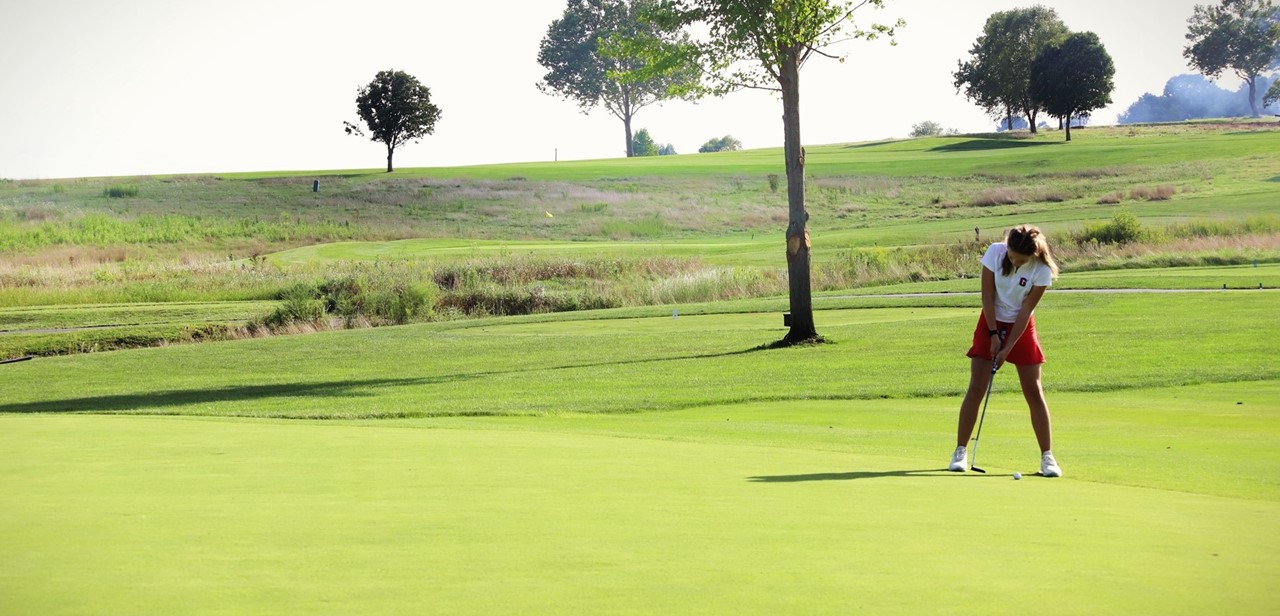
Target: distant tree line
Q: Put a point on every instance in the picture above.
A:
(1190, 97)
(643, 145)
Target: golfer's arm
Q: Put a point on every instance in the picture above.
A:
(989, 298)
(1024, 315)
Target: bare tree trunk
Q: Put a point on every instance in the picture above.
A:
(1253, 94)
(626, 120)
(390, 150)
(626, 124)
(1068, 128)
(802, 326)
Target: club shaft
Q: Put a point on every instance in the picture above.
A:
(982, 417)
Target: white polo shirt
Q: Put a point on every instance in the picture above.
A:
(1012, 289)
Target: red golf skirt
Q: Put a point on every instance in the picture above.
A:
(1026, 351)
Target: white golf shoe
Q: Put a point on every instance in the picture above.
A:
(1048, 466)
(959, 460)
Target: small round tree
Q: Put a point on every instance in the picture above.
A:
(396, 109)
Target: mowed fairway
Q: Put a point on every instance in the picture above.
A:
(592, 464)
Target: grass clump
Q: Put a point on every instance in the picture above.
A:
(366, 296)
(120, 192)
(882, 266)
(1257, 224)
(1124, 228)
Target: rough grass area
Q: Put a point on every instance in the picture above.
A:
(502, 240)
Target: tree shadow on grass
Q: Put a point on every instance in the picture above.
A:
(869, 144)
(142, 401)
(932, 472)
(1275, 179)
(973, 145)
(187, 397)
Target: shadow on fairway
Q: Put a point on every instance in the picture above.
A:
(869, 144)
(988, 144)
(143, 401)
(187, 397)
(932, 472)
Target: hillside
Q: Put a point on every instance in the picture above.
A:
(538, 237)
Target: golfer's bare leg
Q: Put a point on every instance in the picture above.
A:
(1034, 393)
(979, 377)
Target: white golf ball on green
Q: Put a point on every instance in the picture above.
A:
(1017, 475)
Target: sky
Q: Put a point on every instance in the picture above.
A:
(140, 87)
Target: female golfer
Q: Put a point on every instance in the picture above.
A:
(1015, 274)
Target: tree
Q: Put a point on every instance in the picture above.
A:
(1237, 35)
(642, 144)
(997, 77)
(1073, 77)
(1272, 97)
(1188, 97)
(929, 128)
(396, 109)
(581, 70)
(762, 44)
(667, 150)
(724, 144)
(1015, 123)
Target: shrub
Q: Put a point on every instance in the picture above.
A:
(120, 192)
(998, 196)
(774, 180)
(1124, 228)
(724, 144)
(1157, 193)
(929, 128)
(300, 304)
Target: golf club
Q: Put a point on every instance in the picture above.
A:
(977, 436)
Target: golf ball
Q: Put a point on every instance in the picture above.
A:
(1017, 475)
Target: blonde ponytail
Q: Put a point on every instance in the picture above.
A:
(1029, 240)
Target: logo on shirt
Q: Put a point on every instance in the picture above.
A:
(1022, 282)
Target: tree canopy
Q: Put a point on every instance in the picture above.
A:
(643, 145)
(997, 75)
(726, 143)
(396, 109)
(1072, 77)
(1242, 36)
(763, 44)
(929, 128)
(581, 67)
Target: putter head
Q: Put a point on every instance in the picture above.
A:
(977, 470)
